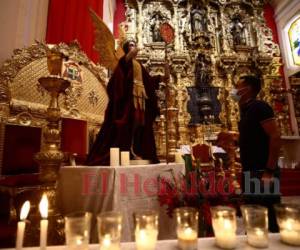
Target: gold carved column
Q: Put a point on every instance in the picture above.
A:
(232, 109)
(182, 97)
(140, 23)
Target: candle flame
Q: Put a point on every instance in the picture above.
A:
(289, 224)
(25, 210)
(43, 206)
(227, 224)
(107, 240)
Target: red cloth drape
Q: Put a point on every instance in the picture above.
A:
(70, 20)
(270, 21)
(119, 16)
(74, 136)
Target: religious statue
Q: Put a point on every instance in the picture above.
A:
(199, 21)
(201, 71)
(155, 28)
(237, 30)
(132, 106)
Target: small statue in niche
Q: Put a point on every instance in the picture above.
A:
(237, 30)
(199, 21)
(155, 28)
(184, 29)
(202, 71)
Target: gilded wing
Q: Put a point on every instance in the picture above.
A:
(122, 38)
(104, 42)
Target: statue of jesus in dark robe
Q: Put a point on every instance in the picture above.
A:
(131, 111)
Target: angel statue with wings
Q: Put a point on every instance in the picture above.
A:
(132, 106)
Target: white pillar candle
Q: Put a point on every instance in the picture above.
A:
(125, 158)
(21, 225)
(43, 206)
(146, 239)
(257, 237)
(225, 233)
(187, 239)
(114, 156)
(178, 157)
(290, 232)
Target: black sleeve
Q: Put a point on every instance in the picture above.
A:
(263, 112)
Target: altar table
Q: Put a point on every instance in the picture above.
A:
(125, 189)
(203, 244)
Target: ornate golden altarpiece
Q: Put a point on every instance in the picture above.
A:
(216, 42)
(23, 101)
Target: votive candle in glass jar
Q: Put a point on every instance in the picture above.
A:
(224, 226)
(187, 227)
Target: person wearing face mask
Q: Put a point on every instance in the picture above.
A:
(259, 146)
(131, 111)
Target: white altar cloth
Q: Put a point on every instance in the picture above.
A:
(203, 243)
(125, 188)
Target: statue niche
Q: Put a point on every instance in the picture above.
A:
(155, 28)
(199, 20)
(237, 30)
(203, 106)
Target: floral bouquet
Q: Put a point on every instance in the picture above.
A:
(196, 188)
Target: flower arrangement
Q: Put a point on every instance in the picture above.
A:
(197, 188)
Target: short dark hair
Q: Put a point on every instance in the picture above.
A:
(126, 45)
(253, 81)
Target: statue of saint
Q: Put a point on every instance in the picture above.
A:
(237, 30)
(202, 72)
(155, 28)
(198, 20)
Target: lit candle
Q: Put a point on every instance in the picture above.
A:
(257, 237)
(290, 232)
(187, 239)
(225, 233)
(146, 239)
(21, 225)
(125, 159)
(106, 243)
(43, 206)
(114, 156)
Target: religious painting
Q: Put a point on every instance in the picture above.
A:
(294, 38)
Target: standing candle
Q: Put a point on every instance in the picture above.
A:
(21, 225)
(43, 206)
(114, 156)
(125, 159)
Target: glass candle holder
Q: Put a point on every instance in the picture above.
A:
(146, 229)
(288, 219)
(77, 229)
(187, 227)
(109, 230)
(224, 226)
(256, 223)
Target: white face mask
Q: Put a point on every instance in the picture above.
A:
(234, 95)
